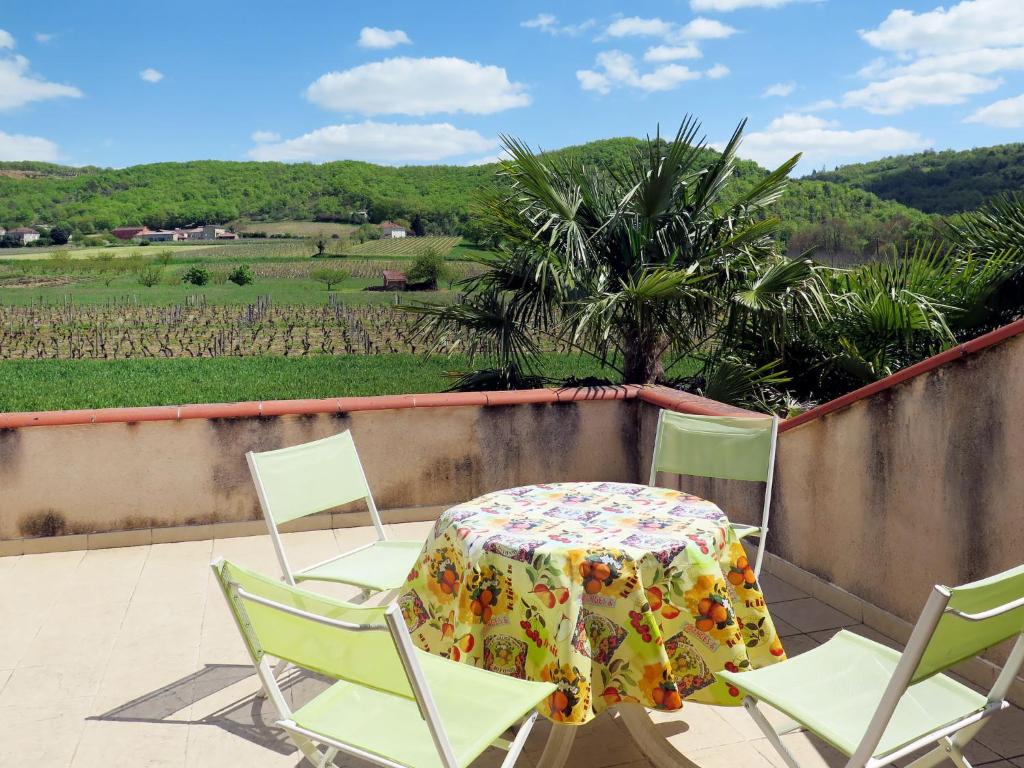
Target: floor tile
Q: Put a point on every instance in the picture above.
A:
(784, 628)
(797, 644)
(1004, 733)
(42, 735)
(775, 590)
(743, 753)
(811, 615)
(107, 744)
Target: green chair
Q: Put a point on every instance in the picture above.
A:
(314, 477)
(876, 705)
(392, 704)
(725, 447)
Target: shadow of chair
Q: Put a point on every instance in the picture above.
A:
(250, 716)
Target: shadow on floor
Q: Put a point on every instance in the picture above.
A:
(251, 717)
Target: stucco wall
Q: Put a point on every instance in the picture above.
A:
(114, 476)
(919, 484)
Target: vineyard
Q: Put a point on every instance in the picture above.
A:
(195, 329)
(404, 247)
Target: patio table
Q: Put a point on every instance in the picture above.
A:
(618, 593)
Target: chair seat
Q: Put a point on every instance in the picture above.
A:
(381, 566)
(742, 530)
(833, 690)
(475, 707)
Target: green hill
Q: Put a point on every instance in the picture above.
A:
(938, 182)
(91, 200)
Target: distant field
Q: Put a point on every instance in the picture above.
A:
(32, 254)
(39, 385)
(403, 247)
(295, 228)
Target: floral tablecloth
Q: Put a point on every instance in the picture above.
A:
(613, 591)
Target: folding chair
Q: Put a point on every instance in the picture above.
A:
(392, 704)
(726, 447)
(876, 705)
(313, 477)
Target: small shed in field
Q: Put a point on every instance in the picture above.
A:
(394, 280)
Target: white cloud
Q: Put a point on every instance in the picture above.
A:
(717, 72)
(548, 23)
(619, 69)
(408, 86)
(672, 52)
(1007, 113)
(18, 147)
(18, 86)
(635, 26)
(980, 61)
(6, 39)
(375, 37)
(697, 29)
(782, 90)
(964, 26)
(262, 137)
(706, 29)
(823, 142)
(43, 37)
(387, 143)
(898, 94)
(151, 75)
(724, 6)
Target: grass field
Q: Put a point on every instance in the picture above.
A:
(37, 385)
(295, 228)
(403, 247)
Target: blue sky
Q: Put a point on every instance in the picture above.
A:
(114, 84)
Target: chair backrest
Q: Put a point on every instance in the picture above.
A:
(359, 655)
(726, 447)
(369, 647)
(308, 478)
(976, 617)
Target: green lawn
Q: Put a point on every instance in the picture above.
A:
(41, 385)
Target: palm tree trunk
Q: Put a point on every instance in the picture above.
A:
(642, 361)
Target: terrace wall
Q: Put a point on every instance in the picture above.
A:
(916, 482)
(190, 468)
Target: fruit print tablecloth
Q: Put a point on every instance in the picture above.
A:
(614, 592)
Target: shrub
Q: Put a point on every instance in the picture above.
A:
(196, 276)
(241, 275)
(149, 275)
(164, 258)
(429, 267)
(329, 277)
(219, 276)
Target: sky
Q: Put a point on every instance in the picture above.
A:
(123, 83)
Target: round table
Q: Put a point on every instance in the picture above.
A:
(618, 593)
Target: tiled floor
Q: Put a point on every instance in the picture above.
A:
(128, 657)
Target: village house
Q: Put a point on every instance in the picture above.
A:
(127, 233)
(22, 235)
(159, 235)
(392, 230)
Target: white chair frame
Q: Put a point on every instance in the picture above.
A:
(307, 740)
(951, 739)
(275, 535)
(761, 531)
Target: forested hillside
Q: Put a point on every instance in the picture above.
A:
(831, 216)
(938, 182)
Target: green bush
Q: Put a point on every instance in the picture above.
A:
(429, 267)
(150, 275)
(196, 276)
(241, 275)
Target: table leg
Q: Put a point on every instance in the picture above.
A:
(559, 745)
(653, 744)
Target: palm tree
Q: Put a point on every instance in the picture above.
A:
(659, 261)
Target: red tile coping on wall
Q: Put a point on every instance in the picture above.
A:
(661, 396)
(911, 371)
